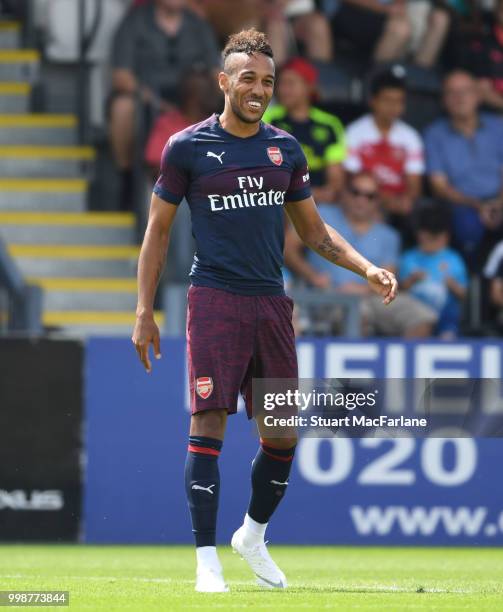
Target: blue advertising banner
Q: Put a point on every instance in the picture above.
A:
(435, 491)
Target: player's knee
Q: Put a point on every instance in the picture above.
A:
(210, 424)
(283, 443)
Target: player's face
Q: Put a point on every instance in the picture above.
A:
(249, 85)
(389, 104)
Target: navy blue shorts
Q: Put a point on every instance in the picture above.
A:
(232, 339)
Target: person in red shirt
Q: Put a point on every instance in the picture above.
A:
(387, 147)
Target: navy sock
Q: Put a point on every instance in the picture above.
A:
(270, 472)
(202, 486)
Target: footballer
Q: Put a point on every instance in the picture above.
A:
(237, 174)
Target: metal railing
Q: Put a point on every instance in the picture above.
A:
(86, 39)
(175, 297)
(20, 303)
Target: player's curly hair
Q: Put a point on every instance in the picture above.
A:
(249, 42)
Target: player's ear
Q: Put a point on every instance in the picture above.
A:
(223, 81)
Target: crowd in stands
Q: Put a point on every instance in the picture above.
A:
(426, 203)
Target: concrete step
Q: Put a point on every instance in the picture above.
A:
(38, 129)
(46, 161)
(10, 34)
(19, 65)
(41, 194)
(96, 228)
(75, 261)
(14, 97)
(88, 294)
(105, 323)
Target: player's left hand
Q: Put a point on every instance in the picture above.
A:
(383, 282)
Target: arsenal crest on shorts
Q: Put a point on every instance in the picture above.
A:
(275, 155)
(204, 386)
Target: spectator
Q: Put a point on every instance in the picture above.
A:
(153, 47)
(434, 273)
(388, 30)
(357, 221)
(320, 134)
(464, 154)
(429, 21)
(387, 147)
(286, 23)
(199, 98)
(484, 58)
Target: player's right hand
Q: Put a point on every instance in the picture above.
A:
(146, 333)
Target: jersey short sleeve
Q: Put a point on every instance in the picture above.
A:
(300, 186)
(352, 161)
(415, 152)
(171, 186)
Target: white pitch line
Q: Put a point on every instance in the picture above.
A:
(360, 588)
(82, 577)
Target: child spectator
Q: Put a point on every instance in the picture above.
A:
(435, 273)
(320, 134)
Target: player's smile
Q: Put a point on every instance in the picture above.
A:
(255, 106)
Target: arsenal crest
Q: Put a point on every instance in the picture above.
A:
(275, 155)
(204, 386)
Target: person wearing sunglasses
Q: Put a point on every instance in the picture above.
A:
(358, 221)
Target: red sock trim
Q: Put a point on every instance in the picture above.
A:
(277, 456)
(203, 450)
(269, 445)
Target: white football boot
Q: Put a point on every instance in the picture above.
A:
(258, 558)
(210, 580)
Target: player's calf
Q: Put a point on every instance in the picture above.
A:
(202, 484)
(270, 472)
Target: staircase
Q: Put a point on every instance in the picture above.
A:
(84, 261)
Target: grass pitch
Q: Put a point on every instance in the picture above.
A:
(157, 578)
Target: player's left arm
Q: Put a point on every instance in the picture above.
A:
(327, 242)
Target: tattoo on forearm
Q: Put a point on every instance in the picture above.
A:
(329, 250)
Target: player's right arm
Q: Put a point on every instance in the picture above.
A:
(168, 193)
(150, 265)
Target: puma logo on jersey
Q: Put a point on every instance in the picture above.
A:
(219, 157)
(276, 482)
(200, 488)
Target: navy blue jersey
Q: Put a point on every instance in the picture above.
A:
(236, 189)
